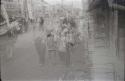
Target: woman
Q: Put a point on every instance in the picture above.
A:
(67, 42)
(40, 44)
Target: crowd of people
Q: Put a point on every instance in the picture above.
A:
(67, 30)
(60, 33)
(61, 38)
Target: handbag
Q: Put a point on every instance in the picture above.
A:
(62, 46)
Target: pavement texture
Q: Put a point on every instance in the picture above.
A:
(22, 57)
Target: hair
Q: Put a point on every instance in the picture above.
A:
(0, 3)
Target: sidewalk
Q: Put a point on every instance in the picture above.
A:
(104, 63)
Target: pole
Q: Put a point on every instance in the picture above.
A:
(5, 15)
(26, 10)
(62, 3)
(32, 8)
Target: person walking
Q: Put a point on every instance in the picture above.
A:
(40, 45)
(68, 33)
(41, 22)
(41, 50)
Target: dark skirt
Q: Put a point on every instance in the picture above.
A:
(41, 50)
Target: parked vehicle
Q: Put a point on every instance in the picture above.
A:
(21, 23)
(3, 26)
(4, 21)
(13, 27)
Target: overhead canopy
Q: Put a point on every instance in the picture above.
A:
(117, 4)
(98, 4)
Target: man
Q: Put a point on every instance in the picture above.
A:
(41, 23)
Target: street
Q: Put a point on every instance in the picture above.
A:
(24, 62)
(63, 40)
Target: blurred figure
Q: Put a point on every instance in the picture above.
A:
(41, 50)
(68, 36)
(41, 21)
(14, 27)
(25, 25)
(40, 44)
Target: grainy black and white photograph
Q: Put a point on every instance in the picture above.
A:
(62, 40)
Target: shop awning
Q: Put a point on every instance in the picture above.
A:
(119, 2)
(116, 4)
(98, 4)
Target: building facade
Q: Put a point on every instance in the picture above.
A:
(106, 23)
(13, 7)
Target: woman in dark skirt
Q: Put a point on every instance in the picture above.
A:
(41, 23)
(41, 49)
(68, 25)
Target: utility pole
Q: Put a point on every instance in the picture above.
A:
(25, 10)
(62, 2)
(72, 6)
(5, 15)
(32, 7)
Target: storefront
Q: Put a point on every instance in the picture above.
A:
(108, 29)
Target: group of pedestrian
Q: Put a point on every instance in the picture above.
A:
(65, 37)
(16, 26)
(68, 35)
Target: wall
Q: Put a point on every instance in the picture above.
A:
(103, 27)
(13, 7)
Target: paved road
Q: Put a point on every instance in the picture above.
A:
(24, 63)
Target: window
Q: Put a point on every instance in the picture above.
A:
(10, 0)
(120, 2)
(1, 18)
